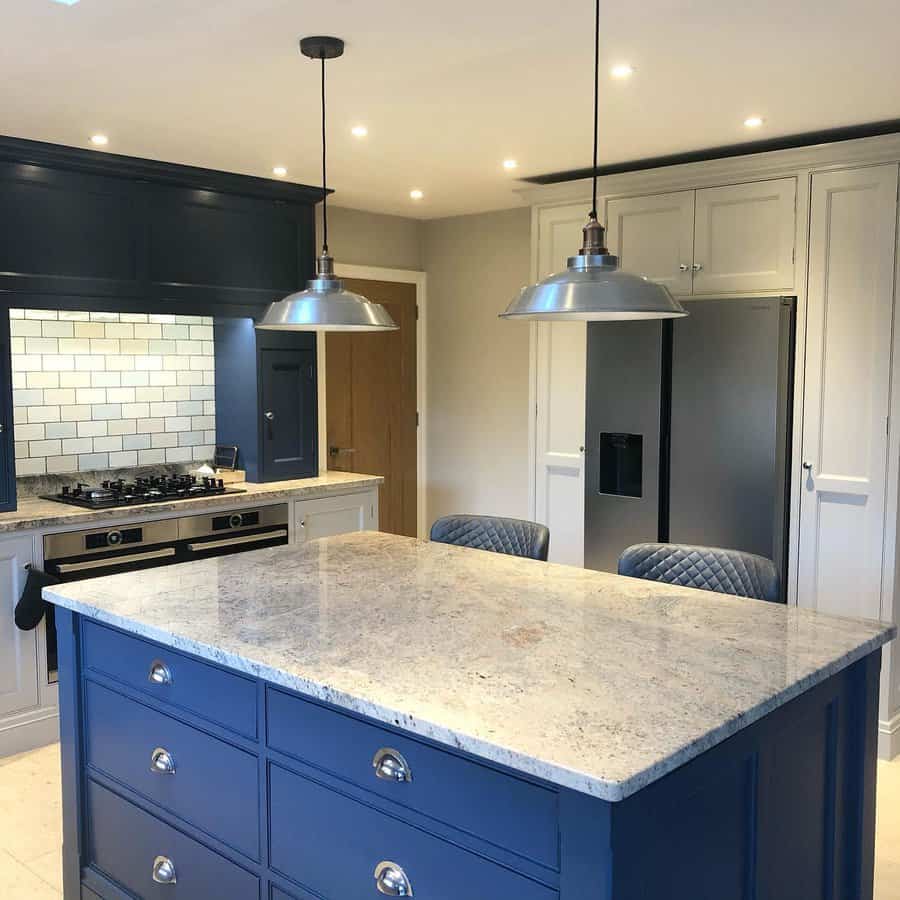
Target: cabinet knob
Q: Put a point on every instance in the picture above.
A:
(807, 466)
(390, 879)
(697, 267)
(270, 416)
(162, 762)
(683, 267)
(164, 870)
(390, 765)
(159, 673)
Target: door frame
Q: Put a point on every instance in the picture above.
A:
(401, 276)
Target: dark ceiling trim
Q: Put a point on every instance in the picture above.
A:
(789, 142)
(39, 153)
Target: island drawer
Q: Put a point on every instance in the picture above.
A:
(143, 854)
(510, 812)
(200, 778)
(223, 697)
(336, 846)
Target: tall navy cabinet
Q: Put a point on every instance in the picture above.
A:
(266, 399)
(81, 229)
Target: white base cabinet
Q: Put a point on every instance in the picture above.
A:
(18, 649)
(326, 516)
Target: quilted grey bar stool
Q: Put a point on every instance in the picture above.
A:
(707, 568)
(515, 537)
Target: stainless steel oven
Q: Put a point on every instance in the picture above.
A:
(76, 555)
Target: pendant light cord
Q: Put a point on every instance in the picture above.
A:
(593, 213)
(324, 183)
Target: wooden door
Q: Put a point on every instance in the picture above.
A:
(18, 649)
(851, 284)
(654, 236)
(370, 392)
(561, 357)
(288, 390)
(744, 238)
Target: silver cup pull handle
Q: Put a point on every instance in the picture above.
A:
(390, 765)
(162, 762)
(391, 880)
(164, 870)
(159, 673)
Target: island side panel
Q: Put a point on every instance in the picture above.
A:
(69, 667)
(783, 809)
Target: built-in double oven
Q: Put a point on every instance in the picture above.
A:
(75, 555)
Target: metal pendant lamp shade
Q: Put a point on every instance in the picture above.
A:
(325, 305)
(593, 288)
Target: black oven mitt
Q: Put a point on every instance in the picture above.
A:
(31, 605)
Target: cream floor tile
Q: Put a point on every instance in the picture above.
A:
(17, 882)
(887, 832)
(49, 868)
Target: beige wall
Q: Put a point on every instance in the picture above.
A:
(360, 238)
(477, 365)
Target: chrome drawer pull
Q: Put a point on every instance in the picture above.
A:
(390, 879)
(162, 762)
(159, 673)
(390, 765)
(164, 870)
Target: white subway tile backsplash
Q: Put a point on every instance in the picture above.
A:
(123, 460)
(121, 426)
(113, 442)
(151, 457)
(60, 429)
(44, 379)
(206, 453)
(93, 390)
(89, 461)
(136, 442)
(92, 429)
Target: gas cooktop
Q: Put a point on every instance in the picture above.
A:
(152, 489)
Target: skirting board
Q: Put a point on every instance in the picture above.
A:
(889, 737)
(30, 735)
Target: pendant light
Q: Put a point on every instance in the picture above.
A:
(593, 288)
(325, 305)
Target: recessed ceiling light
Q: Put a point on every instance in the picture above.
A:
(753, 121)
(66, 2)
(279, 171)
(622, 70)
(416, 194)
(99, 140)
(359, 131)
(510, 164)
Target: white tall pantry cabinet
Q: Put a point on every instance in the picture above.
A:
(818, 223)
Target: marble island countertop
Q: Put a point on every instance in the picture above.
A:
(34, 512)
(590, 681)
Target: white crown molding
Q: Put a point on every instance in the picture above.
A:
(710, 173)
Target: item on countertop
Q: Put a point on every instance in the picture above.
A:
(144, 489)
(225, 456)
(31, 606)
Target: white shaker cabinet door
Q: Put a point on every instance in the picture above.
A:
(561, 359)
(654, 236)
(744, 237)
(18, 649)
(851, 273)
(344, 513)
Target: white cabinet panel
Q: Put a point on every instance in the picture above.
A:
(561, 356)
(851, 273)
(18, 649)
(335, 515)
(744, 237)
(654, 236)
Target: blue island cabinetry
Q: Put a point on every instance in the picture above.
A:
(183, 779)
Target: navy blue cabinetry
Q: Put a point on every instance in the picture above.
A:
(323, 804)
(266, 399)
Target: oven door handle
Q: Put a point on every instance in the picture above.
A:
(234, 541)
(108, 561)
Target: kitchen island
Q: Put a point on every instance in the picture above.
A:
(372, 715)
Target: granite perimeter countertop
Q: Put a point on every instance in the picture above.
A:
(590, 681)
(34, 512)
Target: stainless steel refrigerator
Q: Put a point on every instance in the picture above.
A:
(688, 430)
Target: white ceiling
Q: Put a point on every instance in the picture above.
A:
(447, 89)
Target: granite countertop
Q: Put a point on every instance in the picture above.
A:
(590, 681)
(34, 513)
